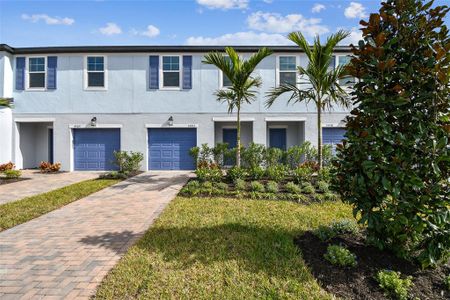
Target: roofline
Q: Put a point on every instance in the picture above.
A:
(147, 49)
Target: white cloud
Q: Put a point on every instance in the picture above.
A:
(353, 38)
(110, 29)
(48, 20)
(273, 22)
(224, 4)
(151, 31)
(240, 38)
(317, 8)
(355, 10)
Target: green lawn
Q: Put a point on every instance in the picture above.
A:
(21, 211)
(216, 248)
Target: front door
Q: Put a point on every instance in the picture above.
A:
(277, 138)
(230, 137)
(50, 145)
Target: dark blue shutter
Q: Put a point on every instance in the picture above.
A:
(187, 72)
(20, 73)
(154, 72)
(51, 72)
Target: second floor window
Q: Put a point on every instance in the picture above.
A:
(347, 80)
(95, 72)
(226, 82)
(171, 71)
(287, 70)
(36, 72)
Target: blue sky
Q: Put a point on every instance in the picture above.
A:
(176, 22)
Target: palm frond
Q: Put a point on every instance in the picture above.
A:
(219, 60)
(296, 94)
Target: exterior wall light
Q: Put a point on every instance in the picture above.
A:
(170, 121)
(94, 121)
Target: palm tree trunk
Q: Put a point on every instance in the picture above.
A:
(319, 133)
(238, 150)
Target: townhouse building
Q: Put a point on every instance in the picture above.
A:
(76, 105)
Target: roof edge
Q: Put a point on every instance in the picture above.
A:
(142, 49)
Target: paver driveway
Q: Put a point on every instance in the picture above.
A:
(66, 253)
(38, 183)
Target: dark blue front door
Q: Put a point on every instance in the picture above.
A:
(229, 136)
(277, 138)
(333, 136)
(50, 145)
(94, 148)
(168, 148)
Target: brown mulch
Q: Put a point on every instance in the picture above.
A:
(359, 282)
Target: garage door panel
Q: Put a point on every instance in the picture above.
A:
(169, 148)
(93, 148)
(333, 136)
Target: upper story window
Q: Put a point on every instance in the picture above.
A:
(287, 70)
(171, 71)
(95, 72)
(347, 80)
(226, 82)
(36, 72)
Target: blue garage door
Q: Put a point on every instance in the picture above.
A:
(168, 148)
(93, 148)
(333, 136)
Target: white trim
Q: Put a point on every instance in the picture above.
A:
(232, 119)
(277, 67)
(278, 126)
(173, 126)
(33, 120)
(27, 73)
(285, 119)
(100, 126)
(105, 72)
(161, 73)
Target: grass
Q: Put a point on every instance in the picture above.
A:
(21, 211)
(218, 248)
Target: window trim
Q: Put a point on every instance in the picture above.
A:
(27, 73)
(336, 63)
(105, 72)
(277, 68)
(221, 86)
(180, 73)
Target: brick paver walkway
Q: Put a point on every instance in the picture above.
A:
(66, 253)
(38, 183)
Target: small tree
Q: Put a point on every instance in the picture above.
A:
(239, 72)
(321, 84)
(394, 167)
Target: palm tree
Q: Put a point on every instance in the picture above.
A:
(241, 90)
(322, 81)
(5, 102)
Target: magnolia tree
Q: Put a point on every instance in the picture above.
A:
(394, 166)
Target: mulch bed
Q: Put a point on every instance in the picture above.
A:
(359, 282)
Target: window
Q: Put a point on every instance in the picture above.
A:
(287, 70)
(171, 71)
(226, 82)
(36, 72)
(95, 72)
(347, 80)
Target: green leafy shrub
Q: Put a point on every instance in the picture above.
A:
(235, 173)
(325, 174)
(322, 187)
(256, 173)
(219, 153)
(113, 175)
(128, 162)
(393, 285)
(340, 256)
(319, 198)
(209, 173)
(221, 187)
(253, 156)
(299, 198)
(194, 152)
(336, 228)
(240, 185)
(192, 188)
(394, 166)
(273, 156)
(307, 188)
(276, 173)
(292, 188)
(272, 187)
(256, 186)
(330, 197)
(207, 187)
(302, 174)
(12, 174)
(447, 282)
